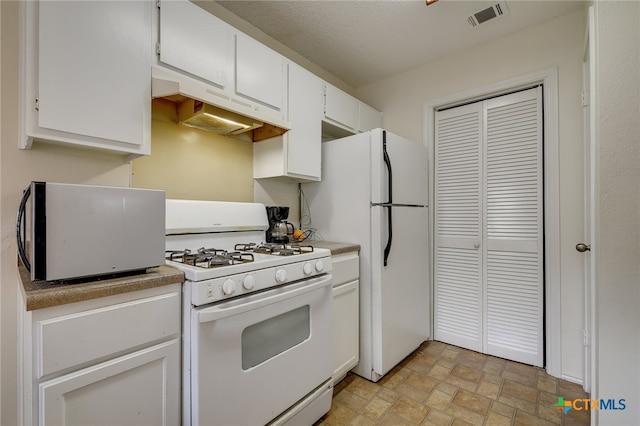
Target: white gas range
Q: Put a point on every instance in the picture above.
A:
(253, 313)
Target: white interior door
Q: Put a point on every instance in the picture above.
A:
(489, 227)
(513, 216)
(458, 228)
(589, 199)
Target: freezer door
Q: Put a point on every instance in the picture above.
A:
(408, 162)
(400, 296)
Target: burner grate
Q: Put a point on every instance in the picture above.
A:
(208, 257)
(278, 249)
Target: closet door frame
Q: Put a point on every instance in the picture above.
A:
(549, 80)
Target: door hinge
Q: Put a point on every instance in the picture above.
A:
(585, 99)
(158, 4)
(37, 103)
(585, 338)
(158, 49)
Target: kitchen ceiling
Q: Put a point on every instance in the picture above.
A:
(363, 41)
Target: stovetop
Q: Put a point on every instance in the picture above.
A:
(218, 245)
(208, 263)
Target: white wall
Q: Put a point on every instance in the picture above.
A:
(618, 241)
(557, 42)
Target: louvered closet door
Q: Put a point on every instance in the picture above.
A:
(489, 230)
(514, 229)
(458, 262)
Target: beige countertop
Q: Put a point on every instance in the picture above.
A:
(45, 294)
(335, 247)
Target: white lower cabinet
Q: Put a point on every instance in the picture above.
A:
(129, 390)
(108, 361)
(345, 313)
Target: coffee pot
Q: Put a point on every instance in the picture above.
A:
(279, 229)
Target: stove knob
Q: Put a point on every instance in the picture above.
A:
(249, 282)
(281, 275)
(229, 286)
(307, 268)
(319, 266)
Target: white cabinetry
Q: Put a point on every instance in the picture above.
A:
(227, 68)
(196, 42)
(113, 360)
(296, 155)
(368, 118)
(260, 73)
(345, 115)
(87, 79)
(345, 313)
(340, 108)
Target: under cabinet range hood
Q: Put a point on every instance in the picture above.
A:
(200, 106)
(203, 116)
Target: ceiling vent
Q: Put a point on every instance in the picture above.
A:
(498, 10)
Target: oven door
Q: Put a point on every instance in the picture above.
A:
(254, 357)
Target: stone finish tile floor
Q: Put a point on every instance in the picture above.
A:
(441, 384)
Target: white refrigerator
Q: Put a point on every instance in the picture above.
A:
(374, 192)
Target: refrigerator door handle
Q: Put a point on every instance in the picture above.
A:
(387, 248)
(387, 162)
(397, 205)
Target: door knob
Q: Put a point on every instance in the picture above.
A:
(582, 247)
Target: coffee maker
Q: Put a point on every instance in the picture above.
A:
(279, 229)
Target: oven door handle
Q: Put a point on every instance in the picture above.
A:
(227, 310)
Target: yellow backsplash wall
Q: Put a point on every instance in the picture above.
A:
(193, 164)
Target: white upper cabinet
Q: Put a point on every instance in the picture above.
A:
(296, 155)
(345, 115)
(194, 41)
(304, 148)
(260, 72)
(340, 108)
(368, 118)
(87, 74)
(226, 67)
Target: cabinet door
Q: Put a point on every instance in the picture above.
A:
(369, 118)
(341, 108)
(345, 328)
(89, 335)
(305, 114)
(193, 40)
(296, 155)
(259, 73)
(142, 388)
(93, 75)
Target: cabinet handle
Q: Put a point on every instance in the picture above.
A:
(582, 247)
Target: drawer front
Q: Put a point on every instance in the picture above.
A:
(346, 268)
(80, 338)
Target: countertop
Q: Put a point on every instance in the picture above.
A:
(45, 294)
(336, 248)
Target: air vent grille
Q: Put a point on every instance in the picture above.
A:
(497, 10)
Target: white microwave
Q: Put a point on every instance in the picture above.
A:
(79, 231)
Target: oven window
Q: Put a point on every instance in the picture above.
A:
(266, 339)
